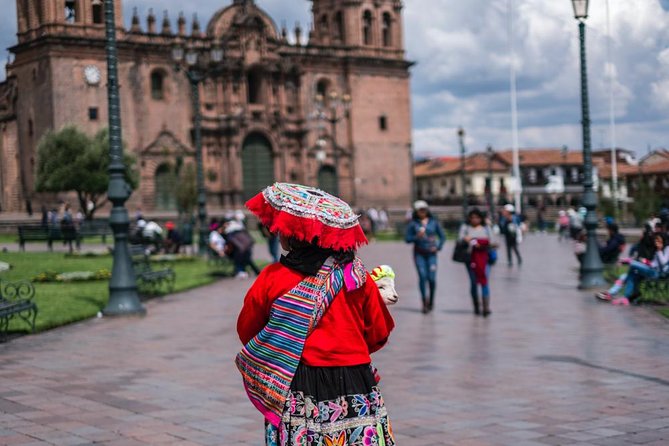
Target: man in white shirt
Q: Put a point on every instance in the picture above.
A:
(216, 241)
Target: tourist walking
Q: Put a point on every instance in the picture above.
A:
(309, 324)
(482, 256)
(427, 237)
(511, 228)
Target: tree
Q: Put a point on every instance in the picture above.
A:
(69, 160)
(646, 201)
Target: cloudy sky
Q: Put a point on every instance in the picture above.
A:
(462, 72)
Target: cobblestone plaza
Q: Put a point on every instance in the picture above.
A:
(550, 367)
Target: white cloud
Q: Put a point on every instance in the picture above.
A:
(462, 76)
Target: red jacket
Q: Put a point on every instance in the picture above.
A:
(356, 324)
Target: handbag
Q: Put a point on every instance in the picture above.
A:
(492, 256)
(461, 252)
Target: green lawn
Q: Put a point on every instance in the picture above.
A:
(664, 312)
(64, 303)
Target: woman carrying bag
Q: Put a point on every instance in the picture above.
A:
(482, 256)
(309, 324)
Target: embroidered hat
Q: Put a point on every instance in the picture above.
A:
(382, 271)
(308, 214)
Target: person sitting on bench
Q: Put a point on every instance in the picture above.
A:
(638, 271)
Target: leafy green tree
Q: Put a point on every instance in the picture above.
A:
(70, 160)
(646, 202)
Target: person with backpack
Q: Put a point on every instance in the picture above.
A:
(427, 237)
(479, 238)
(239, 246)
(510, 227)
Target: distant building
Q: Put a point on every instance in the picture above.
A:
(439, 182)
(257, 125)
(550, 177)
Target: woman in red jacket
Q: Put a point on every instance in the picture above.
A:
(309, 324)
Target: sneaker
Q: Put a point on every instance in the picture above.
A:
(242, 275)
(622, 301)
(604, 295)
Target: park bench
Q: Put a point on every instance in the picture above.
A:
(33, 233)
(16, 301)
(94, 228)
(150, 280)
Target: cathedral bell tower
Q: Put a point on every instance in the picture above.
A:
(37, 18)
(363, 24)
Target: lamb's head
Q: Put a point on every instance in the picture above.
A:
(384, 277)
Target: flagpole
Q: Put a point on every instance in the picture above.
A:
(514, 113)
(612, 116)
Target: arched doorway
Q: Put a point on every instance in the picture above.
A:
(327, 179)
(257, 165)
(165, 182)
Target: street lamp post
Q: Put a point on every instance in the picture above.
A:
(463, 175)
(123, 296)
(329, 112)
(196, 65)
(491, 198)
(592, 267)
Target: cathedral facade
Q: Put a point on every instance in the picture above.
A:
(328, 107)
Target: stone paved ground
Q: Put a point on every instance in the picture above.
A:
(551, 367)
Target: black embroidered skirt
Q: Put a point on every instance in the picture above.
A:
(333, 406)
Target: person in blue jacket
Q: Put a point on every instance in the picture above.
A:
(427, 237)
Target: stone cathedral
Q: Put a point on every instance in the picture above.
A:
(259, 105)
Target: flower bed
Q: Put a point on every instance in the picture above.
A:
(73, 276)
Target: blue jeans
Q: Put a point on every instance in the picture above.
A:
(473, 286)
(637, 272)
(426, 265)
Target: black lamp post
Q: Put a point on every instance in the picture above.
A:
(329, 112)
(463, 174)
(490, 197)
(592, 267)
(198, 64)
(123, 297)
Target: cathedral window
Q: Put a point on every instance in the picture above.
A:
(254, 86)
(97, 12)
(70, 11)
(387, 30)
(324, 25)
(383, 123)
(158, 84)
(339, 22)
(367, 28)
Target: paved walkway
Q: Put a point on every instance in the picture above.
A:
(550, 367)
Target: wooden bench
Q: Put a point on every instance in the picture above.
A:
(48, 234)
(94, 228)
(16, 301)
(149, 280)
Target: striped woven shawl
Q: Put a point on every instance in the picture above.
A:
(269, 361)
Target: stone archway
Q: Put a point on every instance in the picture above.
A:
(257, 165)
